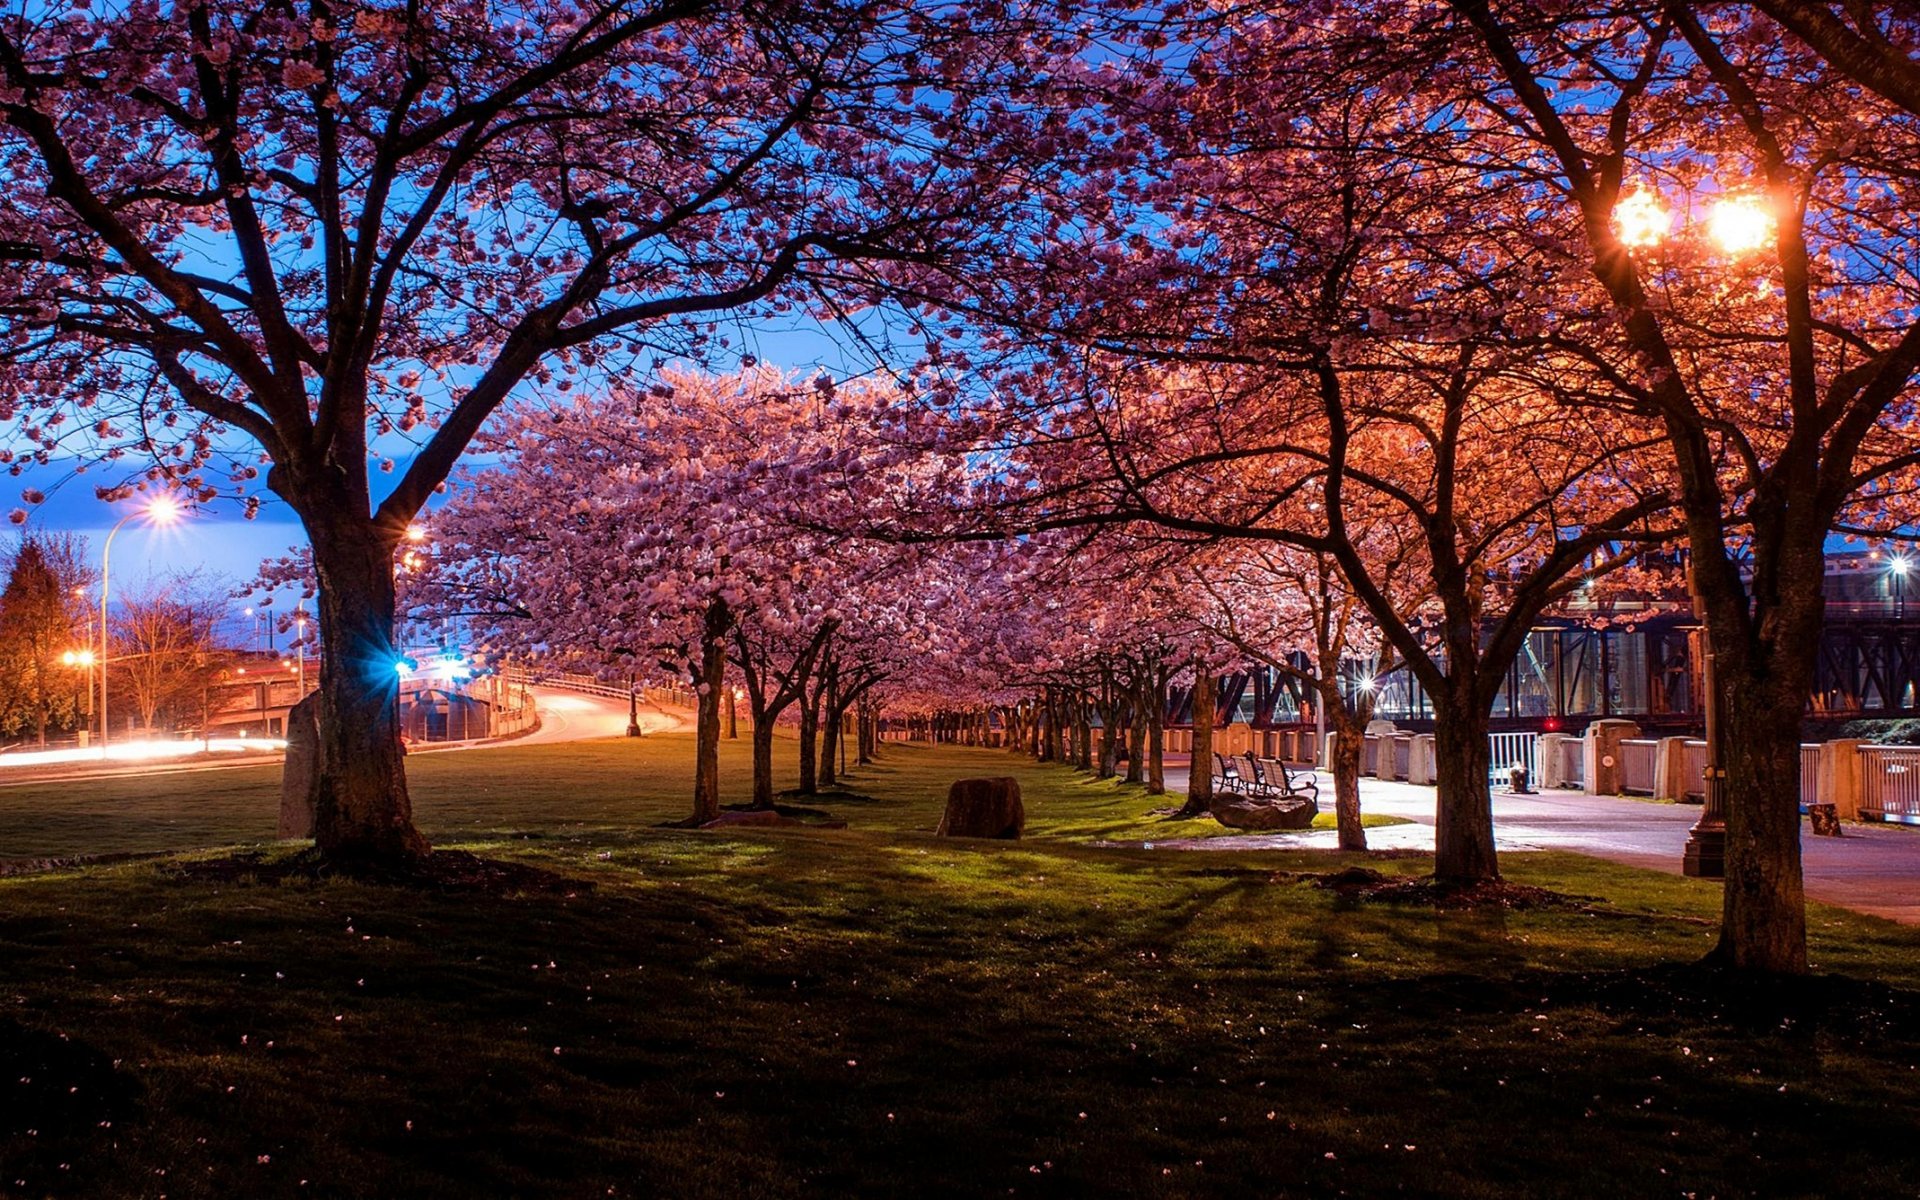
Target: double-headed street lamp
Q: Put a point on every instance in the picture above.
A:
(161, 510)
(1738, 225)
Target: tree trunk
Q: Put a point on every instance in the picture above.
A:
(1200, 774)
(1137, 734)
(361, 807)
(809, 742)
(1345, 766)
(706, 726)
(832, 736)
(1083, 734)
(1463, 807)
(1763, 919)
(1109, 741)
(1157, 735)
(762, 762)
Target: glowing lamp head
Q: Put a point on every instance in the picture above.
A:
(77, 658)
(1367, 683)
(163, 510)
(416, 533)
(1740, 224)
(1639, 220)
(1899, 566)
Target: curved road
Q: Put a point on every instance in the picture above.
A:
(564, 717)
(574, 717)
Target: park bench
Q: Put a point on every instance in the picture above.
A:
(1226, 777)
(1270, 778)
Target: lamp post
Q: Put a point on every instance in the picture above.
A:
(84, 658)
(300, 634)
(161, 510)
(1706, 854)
(1739, 225)
(633, 707)
(1899, 567)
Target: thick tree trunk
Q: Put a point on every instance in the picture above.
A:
(1109, 742)
(1763, 920)
(1083, 734)
(829, 774)
(1345, 766)
(809, 742)
(762, 762)
(706, 726)
(1463, 807)
(1200, 773)
(361, 807)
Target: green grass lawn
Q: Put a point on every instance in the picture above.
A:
(876, 1012)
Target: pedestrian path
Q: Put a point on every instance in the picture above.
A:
(1872, 868)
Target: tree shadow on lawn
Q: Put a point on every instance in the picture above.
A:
(814, 1015)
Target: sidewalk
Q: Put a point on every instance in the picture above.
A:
(1872, 869)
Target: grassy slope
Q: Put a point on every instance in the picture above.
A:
(876, 1012)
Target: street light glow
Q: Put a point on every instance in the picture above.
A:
(416, 533)
(1639, 220)
(1899, 566)
(163, 510)
(1740, 224)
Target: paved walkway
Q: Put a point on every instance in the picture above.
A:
(1872, 869)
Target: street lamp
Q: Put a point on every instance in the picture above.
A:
(161, 510)
(1706, 854)
(1738, 224)
(300, 634)
(1898, 568)
(84, 657)
(633, 707)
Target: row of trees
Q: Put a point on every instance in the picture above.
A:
(1457, 303)
(165, 657)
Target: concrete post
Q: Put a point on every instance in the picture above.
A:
(1551, 758)
(1326, 753)
(1602, 752)
(1842, 779)
(1670, 769)
(1420, 759)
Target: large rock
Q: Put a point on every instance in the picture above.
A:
(300, 777)
(1253, 812)
(983, 808)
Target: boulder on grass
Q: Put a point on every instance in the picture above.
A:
(300, 773)
(983, 808)
(1254, 812)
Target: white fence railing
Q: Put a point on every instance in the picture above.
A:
(1890, 783)
(671, 694)
(1510, 750)
(1639, 759)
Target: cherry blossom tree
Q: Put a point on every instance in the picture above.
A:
(1738, 211)
(320, 239)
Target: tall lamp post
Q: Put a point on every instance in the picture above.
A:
(161, 510)
(1706, 854)
(1738, 225)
